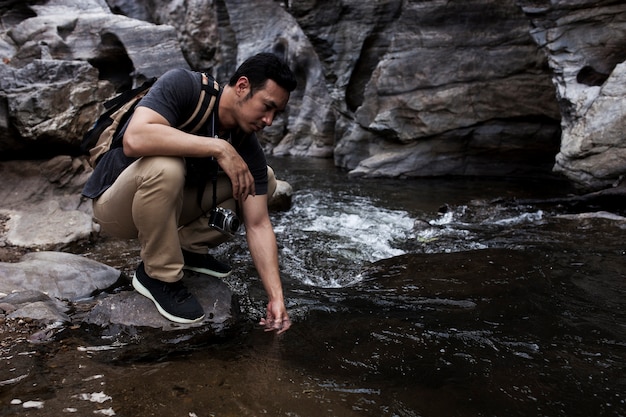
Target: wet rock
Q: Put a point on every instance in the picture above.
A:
(282, 198)
(35, 306)
(41, 311)
(131, 309)
(57, 274)
(48, 288)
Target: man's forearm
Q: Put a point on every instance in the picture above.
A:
(264, 251)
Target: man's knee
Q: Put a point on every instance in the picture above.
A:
(166, 170)
(271, 182)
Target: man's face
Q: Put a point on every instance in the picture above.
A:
(261, 108)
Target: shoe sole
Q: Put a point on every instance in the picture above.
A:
(144, 291)
(207, 271)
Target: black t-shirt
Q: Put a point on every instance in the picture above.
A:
(175, 96)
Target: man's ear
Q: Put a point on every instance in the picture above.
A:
(242, 86)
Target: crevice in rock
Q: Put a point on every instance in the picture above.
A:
(589, 76)
(228, 51)
(14, 12)
(113, 63)
(135, 9)
(374, 47)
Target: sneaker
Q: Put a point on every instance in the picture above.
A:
(206, 264)
(172, 299)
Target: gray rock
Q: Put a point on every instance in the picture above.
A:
(42, 312)
(593, 150)
(47, 286)
(282, 198)
(131, 309)
(35, 305)
(584, 41)
(458, 96)
(41, 203)
(47, 225)
(68, 59)
(57, 274)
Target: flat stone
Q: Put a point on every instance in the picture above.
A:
(47, 225)
(131, 309)
(57, 274)
(45, 312)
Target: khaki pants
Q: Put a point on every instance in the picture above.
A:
(149, 201)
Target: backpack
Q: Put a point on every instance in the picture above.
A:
(105, 132)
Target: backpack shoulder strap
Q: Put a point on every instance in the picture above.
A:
(208, 96)
(115, 108)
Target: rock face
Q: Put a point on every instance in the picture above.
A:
(457, 96)
(586, 44)
(41, 203)
(61, 59)
(386, 87)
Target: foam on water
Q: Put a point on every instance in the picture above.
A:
(341, 233)
(325, 239)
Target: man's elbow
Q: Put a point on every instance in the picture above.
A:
(130, 144)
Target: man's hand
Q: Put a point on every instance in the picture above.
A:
(237, 170)
(276, 318)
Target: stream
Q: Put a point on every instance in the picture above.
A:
(429, 297)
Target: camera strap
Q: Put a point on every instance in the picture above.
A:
(216, 169)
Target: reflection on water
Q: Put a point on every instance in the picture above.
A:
(434, 297)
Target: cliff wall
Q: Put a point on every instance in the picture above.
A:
(397, 88)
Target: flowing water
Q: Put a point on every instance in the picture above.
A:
(432, 297)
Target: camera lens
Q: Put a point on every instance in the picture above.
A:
(234, 223)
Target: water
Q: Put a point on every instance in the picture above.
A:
(434, 297)
(357, 231)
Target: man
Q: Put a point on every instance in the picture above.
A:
(149, 187)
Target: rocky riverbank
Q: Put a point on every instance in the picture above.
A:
(48, 279)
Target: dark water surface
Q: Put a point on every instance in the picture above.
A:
(439, 297)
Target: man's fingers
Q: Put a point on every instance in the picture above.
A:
(278, 324)
(285, 325)
(243, 186)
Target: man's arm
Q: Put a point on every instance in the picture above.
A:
(150, 134)
(264, 251)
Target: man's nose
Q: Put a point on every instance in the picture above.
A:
(268, 118)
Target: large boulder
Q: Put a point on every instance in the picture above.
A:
(585, 42)
(42, 207)
(447, 91)
(61, 60)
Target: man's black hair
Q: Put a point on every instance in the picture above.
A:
(261, 67)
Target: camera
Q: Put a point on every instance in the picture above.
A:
(224, 220)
